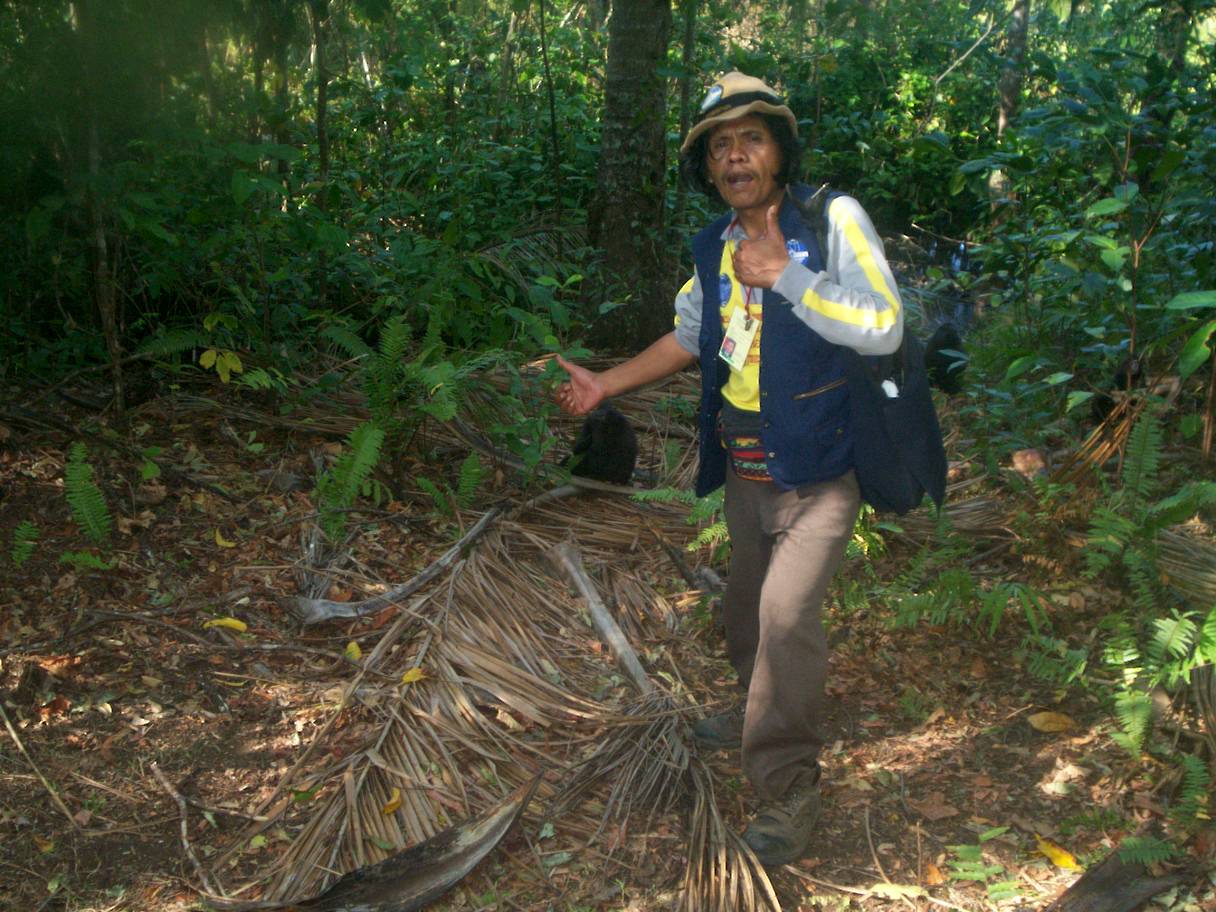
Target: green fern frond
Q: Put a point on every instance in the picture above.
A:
(347, 341)
(25, 538)
(87, 502)
(469, 480)
(443, 503)
(1134, 710)
(174, 342)
(83, 560)
(711, 536)
(338, 488)
(1205, 647)
(1172, 638)
(665, 496)
(1189, 500)
(1191, 801)
(1146, 850)
(1142, 460)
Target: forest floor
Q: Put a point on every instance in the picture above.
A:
(948, 784)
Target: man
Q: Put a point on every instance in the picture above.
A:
(768, 316)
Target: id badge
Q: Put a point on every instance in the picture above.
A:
(737, 340)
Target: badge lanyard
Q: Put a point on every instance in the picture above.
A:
(740, 331)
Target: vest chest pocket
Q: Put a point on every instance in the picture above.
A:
(820, 390)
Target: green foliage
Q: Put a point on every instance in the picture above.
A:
(25, 539)
(1146, 850)
(349, 478)
(1191, 801)
(446, 498)
(84, 560)
(87, 503)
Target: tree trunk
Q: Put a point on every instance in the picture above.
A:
(687, 62)
(1009, 86)
(105, 294)
(506, 76)
(319, 11)
(555, 155)
(626, 219)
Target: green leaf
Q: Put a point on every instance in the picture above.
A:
(1115, 259)
(1191, 300)
(1076, 398)
(1020, 366)
(1205, 646)
(1197, 351)
(1057, 378)
(1170, 160)
(242, 187)
(1109, 206)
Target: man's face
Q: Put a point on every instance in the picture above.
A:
(743, 159)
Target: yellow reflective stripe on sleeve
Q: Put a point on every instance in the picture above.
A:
(687, 289)
(854, 316)
(865, 257)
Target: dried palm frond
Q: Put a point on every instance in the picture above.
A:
(1189, 564)
(546, 249)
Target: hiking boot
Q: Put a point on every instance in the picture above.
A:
(722, 731)
(781, 831)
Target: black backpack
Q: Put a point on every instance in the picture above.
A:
(897, 442)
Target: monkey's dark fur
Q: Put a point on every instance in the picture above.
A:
(606, 448)
(945, 369)
(1128, 375)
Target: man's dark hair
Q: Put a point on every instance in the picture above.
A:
(694, 164)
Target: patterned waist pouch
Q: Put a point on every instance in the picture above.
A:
(739, 432)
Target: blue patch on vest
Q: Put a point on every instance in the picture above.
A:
(723, 290)
(797, 251)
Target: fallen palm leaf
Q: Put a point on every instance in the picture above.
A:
(409, 880)
(721, 871)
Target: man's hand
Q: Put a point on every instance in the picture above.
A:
(582, 392)
(759, 263)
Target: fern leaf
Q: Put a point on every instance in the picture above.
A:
(1145, 850)
(1142, 459)
(347, 341)
(1205, 648)
(1135, 712)
(1172, 638)
(174, 342)
(1191, 801)
(471, 475)
(443, 504)
(84, 497)
(25, 537)
(339, 487)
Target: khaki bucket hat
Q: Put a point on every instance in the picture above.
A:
(733, 96)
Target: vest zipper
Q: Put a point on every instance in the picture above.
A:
(839, 381)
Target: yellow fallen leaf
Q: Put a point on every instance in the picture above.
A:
(221, 541)
(393, 803)
(1059, 856)
(228, 622)
(933, 875)
(1051, 722)
(44, 845)
(414, 674)
(353, 652)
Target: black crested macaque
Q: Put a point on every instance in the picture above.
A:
(1128, 375)
(945, 359)
(606, 448)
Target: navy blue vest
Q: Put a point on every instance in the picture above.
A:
(804, 403)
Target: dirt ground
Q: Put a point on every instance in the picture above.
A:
(946, 785)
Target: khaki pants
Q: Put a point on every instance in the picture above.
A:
(785, 547)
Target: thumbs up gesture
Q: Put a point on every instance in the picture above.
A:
(759, 262)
